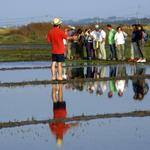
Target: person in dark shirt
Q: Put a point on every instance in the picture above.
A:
(140, 87)
(112, 86)
(140, 43)
(134, 40)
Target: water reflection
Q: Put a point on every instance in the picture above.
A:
(117, 86)
(113, 87)
(140, 86)
(59, 128)
(99, 88)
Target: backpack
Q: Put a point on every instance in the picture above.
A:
(145, 36)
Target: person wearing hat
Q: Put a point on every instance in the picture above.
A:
(71, 32)
(96, 42)
(102, 43)
(59, 128)
(56, 37)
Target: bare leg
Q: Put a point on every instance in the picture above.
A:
(54, 90)
(53, 69)
(60, 71)
(60, 93)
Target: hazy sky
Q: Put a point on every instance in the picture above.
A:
(22, 10)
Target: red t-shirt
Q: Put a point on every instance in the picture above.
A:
(59, 128)
(59, 113)
(55, 38)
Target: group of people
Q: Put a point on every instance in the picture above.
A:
(72, 42)
(94, 42)
(138, 39)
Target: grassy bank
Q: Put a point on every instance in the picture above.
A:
(24, 55)
(44, 55)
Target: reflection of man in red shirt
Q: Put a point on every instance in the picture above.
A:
(59, 128)
(55, 37)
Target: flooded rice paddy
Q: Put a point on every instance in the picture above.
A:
(78, 114)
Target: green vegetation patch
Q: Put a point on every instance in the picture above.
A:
(24, 55)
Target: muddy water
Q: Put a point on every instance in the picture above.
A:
(36, 102)
(31, 71)
(24, 64)
(129, 133)
(55, 101)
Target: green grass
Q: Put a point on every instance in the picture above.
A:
(20, 39)
(44, 55)
(24, 55)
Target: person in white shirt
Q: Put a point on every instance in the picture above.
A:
(120, 38)
(103, 84)
(102, 43)
(96, 42)
(89, 44)
(99, 37)
(121, 84)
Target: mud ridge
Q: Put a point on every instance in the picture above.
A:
(76, 119)
(71, 81)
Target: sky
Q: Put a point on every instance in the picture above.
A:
(22, 11)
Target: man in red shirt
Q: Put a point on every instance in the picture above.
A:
(59, 128)
(55, 37)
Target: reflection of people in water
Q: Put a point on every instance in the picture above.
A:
(120, 84)
(140, 87)
(59, 128)
(101, 85)
(78, 72)
(112, 86)
(89, 72)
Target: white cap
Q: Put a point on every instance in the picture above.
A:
(97, 26)
(56, 21)
(72, 27)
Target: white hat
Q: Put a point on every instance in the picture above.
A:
(56, 21)
(97, 26)
(72, 27)
(59, 142)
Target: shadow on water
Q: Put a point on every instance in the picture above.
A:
(95, 104)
